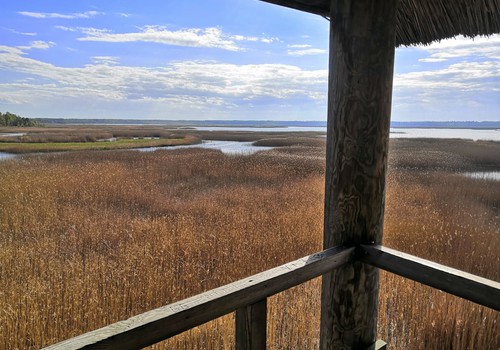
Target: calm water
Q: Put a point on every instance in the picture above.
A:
(12, 134)
(484, 175)
(227, 147)
(234, 147)
(5, 156)
(269, 129)
(467, 134)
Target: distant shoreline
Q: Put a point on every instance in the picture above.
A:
(265, 123)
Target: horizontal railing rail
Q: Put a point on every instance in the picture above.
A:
(465, 285)
(248, 297)
(156, 325)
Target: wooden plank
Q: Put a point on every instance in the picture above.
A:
(251, 326)
(471, 287)
(162, 323)
(362, 36)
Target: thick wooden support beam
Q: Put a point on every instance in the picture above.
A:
(362, 36)
(477, 289)
(251, 326)
(162, 323)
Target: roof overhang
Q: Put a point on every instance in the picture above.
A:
(425, 21)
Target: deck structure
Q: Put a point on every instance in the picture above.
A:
(363, 38)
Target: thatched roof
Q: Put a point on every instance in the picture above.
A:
(425, 21)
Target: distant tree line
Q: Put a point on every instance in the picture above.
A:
(11, 119)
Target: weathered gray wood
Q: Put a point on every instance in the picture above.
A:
(362, 36)
(159, 324)
(477, 289)
(251, 326)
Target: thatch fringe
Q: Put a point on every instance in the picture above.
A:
(425, 21)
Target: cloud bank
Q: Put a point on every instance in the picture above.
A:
(191, 37)
(187, 85)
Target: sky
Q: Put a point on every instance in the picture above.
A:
(214, 59)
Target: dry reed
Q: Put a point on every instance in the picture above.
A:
(89, 238)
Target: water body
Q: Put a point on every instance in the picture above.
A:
(227, 147)
(257, 129)
(466, 134)
(5, 156)
(12, 134)
(484, 175)
(234, 147)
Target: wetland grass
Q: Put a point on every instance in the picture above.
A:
(61, 145)
(90, 238)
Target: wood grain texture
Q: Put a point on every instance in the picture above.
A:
(251, 326)
(159, 324)
(359, 106)
(471, 287)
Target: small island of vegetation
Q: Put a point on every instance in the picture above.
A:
(59, 138)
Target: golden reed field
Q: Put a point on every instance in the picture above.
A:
(90, 238)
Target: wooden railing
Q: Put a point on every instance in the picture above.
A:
(248, 297)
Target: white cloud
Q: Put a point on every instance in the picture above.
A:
(21, 33)
(190, 37)
(264, 40)
(209, 83)
(92, 32)
(51, 15)
(303, 50)
(244, 38)
(269, 40)
(459, 79)
(106, 60)
(9, 51)
(250, 81)
(464, 76)
(432, 60)
(194, 37)
(306, 52)
(66, 29)
(461, 47)
(38, 44)
(463, 70)
(299, 46)
(27, 93)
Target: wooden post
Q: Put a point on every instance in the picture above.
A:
(362, 37)
(251, 326)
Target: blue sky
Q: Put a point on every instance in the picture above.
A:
(213, 59)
